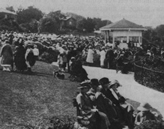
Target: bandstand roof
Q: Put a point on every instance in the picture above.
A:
(123, 25)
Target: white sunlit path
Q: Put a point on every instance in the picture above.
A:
(130, 88)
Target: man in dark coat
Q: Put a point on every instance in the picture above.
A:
(109, 58)
(19, 58)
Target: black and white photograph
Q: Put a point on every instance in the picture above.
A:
(81, 64)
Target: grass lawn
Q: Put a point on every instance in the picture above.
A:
(29, 98)
(25, 98)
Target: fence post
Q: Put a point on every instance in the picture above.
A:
(142, 73)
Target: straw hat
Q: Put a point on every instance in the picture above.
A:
(115, 82)
(85, 84)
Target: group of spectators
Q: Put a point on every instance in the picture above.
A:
(15, 55)
(98, 100)
(100, 106)
(90, 50)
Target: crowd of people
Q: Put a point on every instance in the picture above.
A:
(98, 100)
(16, 55)
(90, 50)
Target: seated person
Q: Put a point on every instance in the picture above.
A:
(102, 103)
(124, 109)
(87, 109)
(77, 71)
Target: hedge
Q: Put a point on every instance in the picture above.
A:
(149, 77)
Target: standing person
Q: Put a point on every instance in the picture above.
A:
(65, 53)
(89, 59)
(7, 57)
(71, 53)
(30, 58)
(19, 57)
(109, 58)
(102, 57)
(36, 52)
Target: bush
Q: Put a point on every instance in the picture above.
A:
(151, 124)
(49, 57)
(62, 122)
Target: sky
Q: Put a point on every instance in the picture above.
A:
(142, 12)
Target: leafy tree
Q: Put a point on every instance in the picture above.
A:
(160, 30)
(26, 15)
(48, 24)
(80, 25)
(89, 25)
(28, 18)
(100, 23)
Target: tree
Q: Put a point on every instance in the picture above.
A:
(26, 15)
(100, 23)
(89, 25)
(48, 24)
(160, 30)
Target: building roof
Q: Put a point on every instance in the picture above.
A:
(123, 25)
(6, 11)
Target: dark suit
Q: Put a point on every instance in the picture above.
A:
(110, 96)
(124, 115)
(105, 105)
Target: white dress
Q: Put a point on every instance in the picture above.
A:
(90, 56)
(102, 57)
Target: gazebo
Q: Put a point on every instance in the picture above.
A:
(124, 31)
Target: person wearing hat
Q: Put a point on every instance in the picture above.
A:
(71, 53)
(36, 52)
(29, 57)
(87, 108)
(102, 56)
(83, 99)
(90, 54)
(19, 57)
(124, 107)
(6, 55)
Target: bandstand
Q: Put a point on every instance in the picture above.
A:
(123, 31)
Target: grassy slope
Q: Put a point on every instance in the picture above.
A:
(26, 97)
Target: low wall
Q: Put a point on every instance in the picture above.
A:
(149, 78)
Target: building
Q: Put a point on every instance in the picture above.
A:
(68, 22)
(123, 31)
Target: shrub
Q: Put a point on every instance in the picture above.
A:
(151, 124)
(49, 57)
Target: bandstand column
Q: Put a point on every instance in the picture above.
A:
(128, 39)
